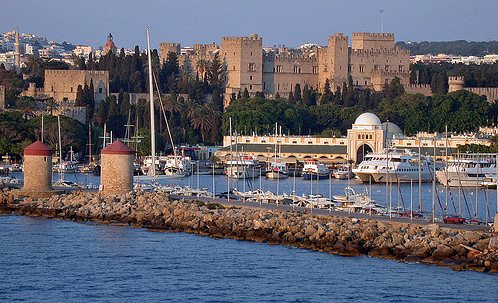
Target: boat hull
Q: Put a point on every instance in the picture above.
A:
(379, 177)
(275, 175)
(314, 176)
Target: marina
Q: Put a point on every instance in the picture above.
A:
(401, 198)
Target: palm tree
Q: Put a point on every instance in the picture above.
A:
(203, 118)
(190, 108)
(25, 106)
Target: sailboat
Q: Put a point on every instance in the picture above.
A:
(152, 173)
(277, 169)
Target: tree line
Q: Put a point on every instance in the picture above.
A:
(334, 112)
(458, 47)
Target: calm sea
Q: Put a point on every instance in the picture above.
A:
(44, 260)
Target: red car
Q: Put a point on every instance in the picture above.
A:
(454, 220)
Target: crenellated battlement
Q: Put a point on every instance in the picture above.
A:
(376, 52)
(373, 35)
(72, 72)
(253, 37)
(289, 58)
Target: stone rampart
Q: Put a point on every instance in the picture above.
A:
(458, 249)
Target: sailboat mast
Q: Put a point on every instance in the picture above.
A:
(151, 97)
(89, 143)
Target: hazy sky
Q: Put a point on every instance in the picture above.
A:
(289, 22)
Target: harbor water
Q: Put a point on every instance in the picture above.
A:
(43, 260)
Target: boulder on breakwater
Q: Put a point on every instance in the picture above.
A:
(458, 249)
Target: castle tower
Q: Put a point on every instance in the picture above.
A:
(372, 41)
(334, 65)
(243, 57)
(17, 53)
(109, 46)
(117, 169)
(37, 168)
(455, 83)
(165, 48)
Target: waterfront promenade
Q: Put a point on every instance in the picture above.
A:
(342, 214)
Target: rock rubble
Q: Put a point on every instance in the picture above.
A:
(458, 249)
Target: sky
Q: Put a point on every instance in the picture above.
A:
(291, 23)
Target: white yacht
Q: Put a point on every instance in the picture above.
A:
(177, 164)
(468, 170)
(243, 167)
(277, 170)
(358, 202)
(315, 169)
(402, 167)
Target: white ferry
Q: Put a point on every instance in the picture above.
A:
(469, 170)
(402, 167)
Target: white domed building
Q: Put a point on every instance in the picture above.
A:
(368, 135)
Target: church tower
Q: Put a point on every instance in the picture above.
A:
(109, 46)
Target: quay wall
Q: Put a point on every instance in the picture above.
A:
(458, 249)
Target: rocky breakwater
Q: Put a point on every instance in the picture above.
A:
(460, 250)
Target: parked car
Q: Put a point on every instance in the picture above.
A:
(224, 195)
(454, 220)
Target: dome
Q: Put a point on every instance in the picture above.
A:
(393, 131)
(109, 44)
(367, 119)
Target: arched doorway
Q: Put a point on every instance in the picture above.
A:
(362, 151)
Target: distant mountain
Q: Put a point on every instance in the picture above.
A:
(458, 47)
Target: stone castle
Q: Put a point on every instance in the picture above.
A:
(63, 85)
(458, 83)
(372, 60)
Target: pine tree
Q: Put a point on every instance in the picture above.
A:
(214, 75)
(297, 93)
(245, 94)
(80, 97)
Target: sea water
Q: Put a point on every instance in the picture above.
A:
(44, 260)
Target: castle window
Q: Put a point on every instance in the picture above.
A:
(278, 86)
(376, 67)
(52, 88)
(234, 67)
(356, 82)
(350, 68)
(359, 136)
(387, 67)
(71, 89)
(366, 82)
(400, 68)
(250, 77)
(251, 53)
(362, 68)
(297, 70)
(315, 69)
(325, 68)
(264, 85)
(100, 90)
(279, 68)
(252, 67)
